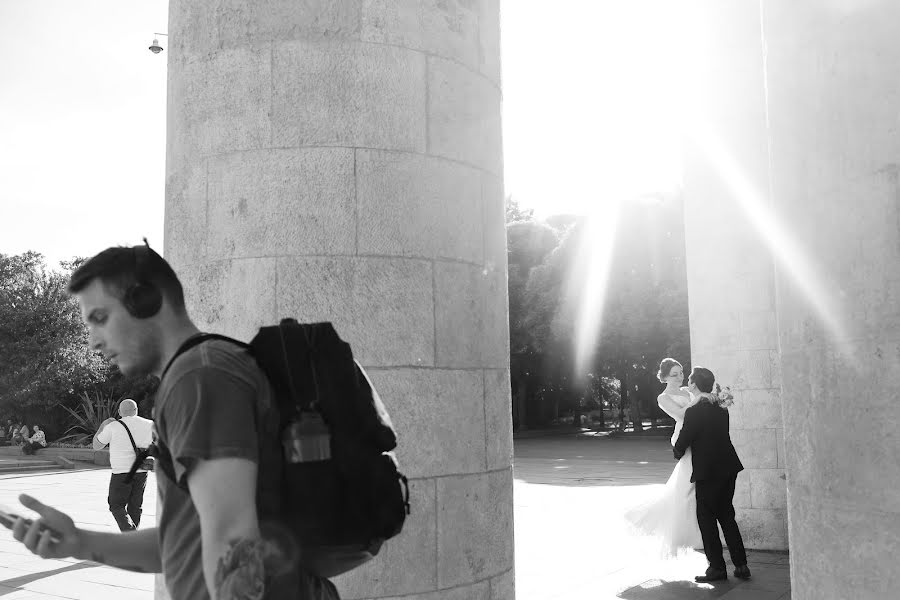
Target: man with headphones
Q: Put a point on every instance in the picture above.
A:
(213, 538)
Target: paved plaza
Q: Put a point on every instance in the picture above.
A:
(571, 540)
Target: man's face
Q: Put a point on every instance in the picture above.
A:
(692, 388)
(130, 343)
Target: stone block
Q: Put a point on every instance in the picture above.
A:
(494, 205)
(420, 206)
(219, 104)
(820, 534)
(755, 447)
(282, 202)
(758, 409)
(463, 116)
(186, 227)
(718, 330)
(475, 527)
(762, 528)
(407, 562)
(475, 591)
(439, 417)
(742, 490)
(348, 94)
(755, 369)
(234, 298)
(383, 307)
(768, 488)
(243, 22)
(758, 330)
(498, 418)
(503, 587)
(471, 317)
(441, 28)
(489, 39)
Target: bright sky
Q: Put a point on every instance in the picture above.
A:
(82, 125)
(590, 104)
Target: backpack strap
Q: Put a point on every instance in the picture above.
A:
(196, 340)
(130, 437)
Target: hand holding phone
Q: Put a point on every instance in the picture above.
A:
(8, 520)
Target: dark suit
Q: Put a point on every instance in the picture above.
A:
(715, 468)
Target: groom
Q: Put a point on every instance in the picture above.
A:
(716, 465)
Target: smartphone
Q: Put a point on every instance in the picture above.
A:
(8, 520)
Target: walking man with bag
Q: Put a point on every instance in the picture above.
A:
(125, 435)
(219, 474)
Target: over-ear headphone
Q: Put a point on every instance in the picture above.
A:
(143, 299)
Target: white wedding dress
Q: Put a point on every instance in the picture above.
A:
(670, 517)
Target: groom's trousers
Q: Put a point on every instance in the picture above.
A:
(714, 504)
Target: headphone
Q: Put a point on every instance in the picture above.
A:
(142, 299)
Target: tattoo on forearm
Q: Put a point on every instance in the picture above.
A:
(241, 572)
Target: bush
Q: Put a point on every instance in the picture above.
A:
(91, 411)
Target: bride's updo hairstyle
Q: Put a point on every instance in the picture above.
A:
(703, 379)
(665, 368)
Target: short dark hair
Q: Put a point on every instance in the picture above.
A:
(703, 378)
(118, 267)
(665, 368)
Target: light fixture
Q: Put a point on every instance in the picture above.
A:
(155, 48)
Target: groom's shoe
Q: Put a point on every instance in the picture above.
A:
(742, 572)
(712, 575)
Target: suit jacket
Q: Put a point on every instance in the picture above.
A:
(705, 432)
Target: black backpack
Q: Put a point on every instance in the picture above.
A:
(343, 495)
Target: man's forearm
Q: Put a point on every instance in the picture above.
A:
(134, 551)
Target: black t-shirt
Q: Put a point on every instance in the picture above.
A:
(215, 402)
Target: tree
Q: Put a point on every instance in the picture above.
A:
(644, 315)
(46, 360)
(528, 243)
(515, 213)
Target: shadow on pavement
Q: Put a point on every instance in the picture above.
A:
(675, 590)
(8, 586)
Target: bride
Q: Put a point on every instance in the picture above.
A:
(671, 516)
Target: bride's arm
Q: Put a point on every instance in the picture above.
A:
(672, 406)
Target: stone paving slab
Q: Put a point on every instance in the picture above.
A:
(82, 493)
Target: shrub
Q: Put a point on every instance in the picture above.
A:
(91, 411)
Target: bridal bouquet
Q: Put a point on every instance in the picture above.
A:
(724, 396)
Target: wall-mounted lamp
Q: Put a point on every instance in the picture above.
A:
(155, 48)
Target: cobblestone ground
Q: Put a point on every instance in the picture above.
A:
(571, 540)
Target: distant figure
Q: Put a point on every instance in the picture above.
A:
(35, 442)
(15, 434)
(125, 499)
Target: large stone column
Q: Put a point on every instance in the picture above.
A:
(342, 161)
(833, 105)
(729, 264)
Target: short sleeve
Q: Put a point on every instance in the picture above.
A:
(208, 414)
(105, 435)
